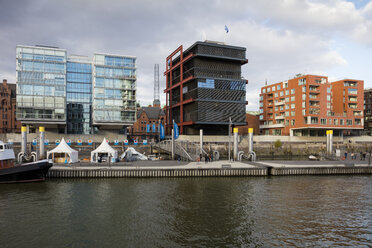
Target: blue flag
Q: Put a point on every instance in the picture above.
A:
(226, 29)
(162, 133)
(153, 128)
(176, 130)
(148, 128)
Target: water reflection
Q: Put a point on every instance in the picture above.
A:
(189, 212)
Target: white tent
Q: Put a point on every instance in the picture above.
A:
(132, 155)
(103, 150)
(63, 152)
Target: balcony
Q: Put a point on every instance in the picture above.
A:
(279, 117)
(271, 126)
(279, 103)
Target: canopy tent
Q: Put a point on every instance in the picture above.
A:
(132, 155)
(102, 151)
(62, 153)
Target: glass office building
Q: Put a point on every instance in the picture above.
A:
(41, 85)
(114, 90)
(75, 95)
(79, 95)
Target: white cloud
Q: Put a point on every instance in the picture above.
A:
(282, 37)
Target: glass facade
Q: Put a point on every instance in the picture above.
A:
(79, 96)
(114, 89)
(75, 93)
(41, 84)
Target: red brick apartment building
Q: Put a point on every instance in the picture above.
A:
(146, 115)
(252, 122)
(8, 122)
(308, 105)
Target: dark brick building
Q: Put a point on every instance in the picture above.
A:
(145, 116)
(368, 111)
(204, 88)
(252, 119)
(8, 122)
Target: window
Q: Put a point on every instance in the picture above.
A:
(268, 89)
(287, 99)
(292, 122)
(352, 91)
(330, 121)
(323, 121)
(278, 87)
(302, 81)
(261, 98)
(329, 90)
(341, 121)
(335, 121)
(328, 97)
(293, 98)
(293, 113)
(276, 108)
(349, 122)
(286, 92)
(303, 96)
(286, 122)
(276, 94)
(292, 106)
(304, 112)
(273, 88)
(314, 120)
(292, 91)
(303, 88)
(303, 104)
(281, 93)
(264, 90)
(287, 106)
(287, 113)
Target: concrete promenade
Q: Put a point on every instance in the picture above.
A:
(213, 169)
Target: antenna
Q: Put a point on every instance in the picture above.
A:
(156, 86)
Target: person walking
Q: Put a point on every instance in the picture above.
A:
(206, 158)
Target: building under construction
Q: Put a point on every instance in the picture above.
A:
(204, 88)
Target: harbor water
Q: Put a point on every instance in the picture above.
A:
(294, 211)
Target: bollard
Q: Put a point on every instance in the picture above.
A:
(250, 140)
(235, 144)
(42, 145)
(24, 139)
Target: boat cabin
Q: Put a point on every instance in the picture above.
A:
(6, 155)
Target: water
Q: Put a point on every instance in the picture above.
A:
(315, 211)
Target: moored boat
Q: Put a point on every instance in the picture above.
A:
(13, 173)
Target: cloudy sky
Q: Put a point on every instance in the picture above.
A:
(282, 37)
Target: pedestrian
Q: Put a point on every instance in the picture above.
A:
(345, 155)
(209, 158)
(212, 157)
(352, 156)
(361, 155)
(206, 158)
(200, 157)
(364, 155)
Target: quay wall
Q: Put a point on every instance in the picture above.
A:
(197, 172)
(140, 173)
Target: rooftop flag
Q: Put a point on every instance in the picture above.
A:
(226, 29)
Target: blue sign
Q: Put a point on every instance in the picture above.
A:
(209, 83)
(116, 142)
(57, 142)
(46, 142)
(148, 128)
(162, 131)
(176, 130)
(79, 142)
(145, 142)
(68, 142)
(153, 128)
(90, 142)
(126, 142)
(135, 142)
(34, 142)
